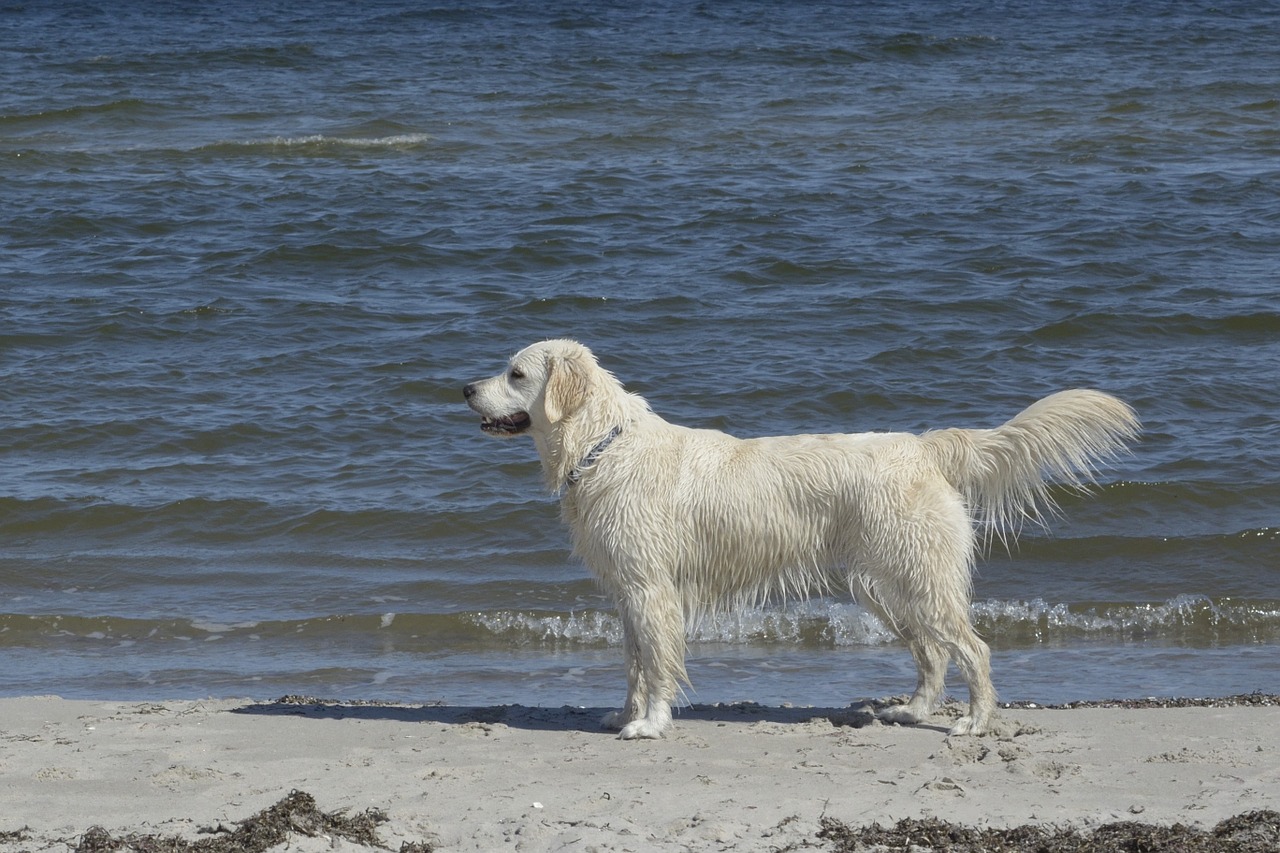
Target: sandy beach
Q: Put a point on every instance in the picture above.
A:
(739, 777)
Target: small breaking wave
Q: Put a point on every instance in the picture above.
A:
(1186, 619)
(320, 143)
(816, 624)
(1194, 620)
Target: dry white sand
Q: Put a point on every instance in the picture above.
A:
(728, 778)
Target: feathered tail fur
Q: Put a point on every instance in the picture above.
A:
(1004, 473)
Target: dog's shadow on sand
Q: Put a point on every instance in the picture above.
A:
(564, 719)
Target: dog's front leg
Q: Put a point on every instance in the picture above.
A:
(635, 706)
(657, 627)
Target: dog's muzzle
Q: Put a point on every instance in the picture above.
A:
(512, 424)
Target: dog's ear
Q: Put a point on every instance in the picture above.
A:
(568, 378)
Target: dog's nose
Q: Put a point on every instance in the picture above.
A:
(468, 391)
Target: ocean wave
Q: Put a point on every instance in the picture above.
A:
(1258, 325)
(214, 520)
(910, 45)
(129, 107)
(51, 631)
(311, 508)
(256, 58)
(320, 143)
(1190, 619)
(816, 623)
(95, 151)
(1195, 620)
(1187, 620)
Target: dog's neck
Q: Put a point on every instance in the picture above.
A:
(575, 443)
(575, 473)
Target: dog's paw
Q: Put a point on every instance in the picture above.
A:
(903, 715)
(642, 728)
(969, 726)
(614, 720)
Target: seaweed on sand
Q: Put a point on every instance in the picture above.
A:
(295, 814)
(1253, 832)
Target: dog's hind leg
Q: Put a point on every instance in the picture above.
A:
(941, 627)
(947, 633)
(932, 655)
(974, 659)
(931, 671)
(931, 662)
(934, 640)
(921, 578)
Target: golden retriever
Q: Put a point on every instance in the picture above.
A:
(678, 522)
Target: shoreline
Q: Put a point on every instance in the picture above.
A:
(728, 777)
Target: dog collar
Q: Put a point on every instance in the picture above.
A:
(590, 459)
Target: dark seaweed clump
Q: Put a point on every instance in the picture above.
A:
(1253, 832)
(295, 814)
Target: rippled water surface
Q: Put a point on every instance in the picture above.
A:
(249, 255)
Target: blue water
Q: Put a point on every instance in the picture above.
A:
(250, 254)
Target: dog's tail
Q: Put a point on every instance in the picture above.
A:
(1004, 473)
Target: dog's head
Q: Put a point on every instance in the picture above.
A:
(543, 384)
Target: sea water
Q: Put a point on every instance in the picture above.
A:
(249, 254)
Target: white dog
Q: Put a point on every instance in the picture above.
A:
(677, 522)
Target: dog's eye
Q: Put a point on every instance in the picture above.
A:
(517, 373)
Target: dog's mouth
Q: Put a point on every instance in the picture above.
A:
(508, 425)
